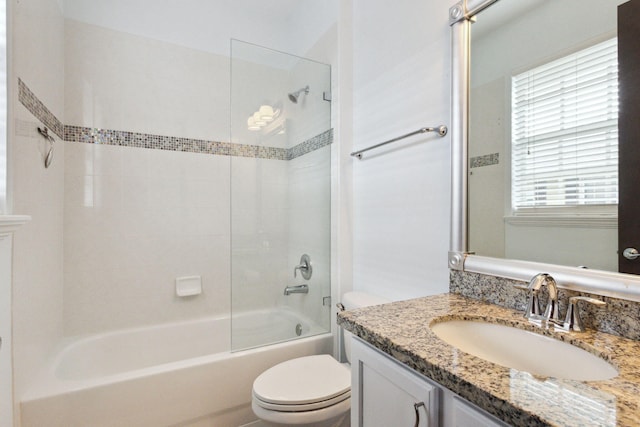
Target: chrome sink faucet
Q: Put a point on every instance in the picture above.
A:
(551, 313)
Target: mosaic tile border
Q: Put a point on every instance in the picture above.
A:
(310, 145)
(171, 143)
(619, 317)
(486, 160)
(38, 109)
(88, 135)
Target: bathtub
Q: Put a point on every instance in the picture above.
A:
(175, 374)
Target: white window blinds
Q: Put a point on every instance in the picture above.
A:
(564, 131)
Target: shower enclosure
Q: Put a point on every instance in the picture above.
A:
(280, 196)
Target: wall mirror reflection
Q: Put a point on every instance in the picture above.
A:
(543, 133)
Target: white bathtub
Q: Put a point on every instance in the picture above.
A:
(175, 374)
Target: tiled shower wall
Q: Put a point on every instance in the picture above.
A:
(135, 219)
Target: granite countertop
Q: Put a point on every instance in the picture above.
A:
(401, 329)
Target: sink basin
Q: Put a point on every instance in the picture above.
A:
(523, 350)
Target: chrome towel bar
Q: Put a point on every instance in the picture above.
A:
(441, 130)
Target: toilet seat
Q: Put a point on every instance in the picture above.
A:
(303, 384)
(303, 407)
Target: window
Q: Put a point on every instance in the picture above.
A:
(564, 131)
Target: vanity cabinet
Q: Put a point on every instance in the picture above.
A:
(386, 393)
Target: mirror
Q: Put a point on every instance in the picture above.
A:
(550, 34)
(506, 42)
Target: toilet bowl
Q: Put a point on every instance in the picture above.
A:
(311, 390)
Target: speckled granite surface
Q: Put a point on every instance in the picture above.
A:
(401, 329)
(619, 317)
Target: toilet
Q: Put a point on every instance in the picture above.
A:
(311, 390)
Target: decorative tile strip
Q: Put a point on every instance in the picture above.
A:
(172, 143)
(38, 109)
(310, 145)
(486, 160)
(161, 142)
(257, 151)
(142, 140)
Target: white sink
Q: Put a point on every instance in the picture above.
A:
(523, 350)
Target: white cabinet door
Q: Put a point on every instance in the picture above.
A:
(384, 393)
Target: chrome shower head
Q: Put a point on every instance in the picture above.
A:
(293, 96)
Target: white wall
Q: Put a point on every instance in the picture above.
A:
(401, 83)
(37, 58)
(116, 80)
(287, 25)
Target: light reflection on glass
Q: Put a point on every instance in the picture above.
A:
(578, 403)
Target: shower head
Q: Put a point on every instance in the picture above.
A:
(293, 96)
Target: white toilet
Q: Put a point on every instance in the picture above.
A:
(312, 390)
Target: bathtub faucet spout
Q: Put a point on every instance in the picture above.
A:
(300, 289)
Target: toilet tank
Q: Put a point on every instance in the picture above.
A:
(351, 300)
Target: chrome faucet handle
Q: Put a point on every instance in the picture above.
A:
(552, 312)
(301, 267)
(572, 321)
(533, 310)
(304, 267)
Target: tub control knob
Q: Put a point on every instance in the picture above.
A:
(304, 267)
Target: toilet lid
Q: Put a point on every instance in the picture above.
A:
(302, 381)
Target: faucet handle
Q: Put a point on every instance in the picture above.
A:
(533, 305)
(304, 267)
(572, 321)
(594, 301)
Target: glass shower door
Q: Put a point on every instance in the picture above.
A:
(280, 196)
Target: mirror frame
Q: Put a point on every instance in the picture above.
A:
(605, 283)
